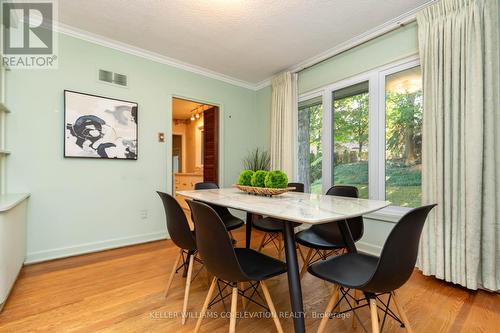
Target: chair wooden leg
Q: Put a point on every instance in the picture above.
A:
(374, 315)
(172, 274)
(306, 264)
(270, 303)
(401, 312)
(243, 299)
(281, 247)
(261, 245)
(333, 300)
(205, 305)
(234, 305)
(186, 291)
(301, 254)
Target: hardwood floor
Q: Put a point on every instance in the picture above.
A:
(122, 291)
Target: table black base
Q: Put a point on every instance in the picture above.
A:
(294, 278)
(248, 227)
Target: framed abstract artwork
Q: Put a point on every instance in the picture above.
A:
(99, 127)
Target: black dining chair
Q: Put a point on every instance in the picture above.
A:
(230, 265)
(376, 276)
(230, 221)
(273, 228)
(182, 236)
(323, 240)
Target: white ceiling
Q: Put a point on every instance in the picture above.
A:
(248, 40)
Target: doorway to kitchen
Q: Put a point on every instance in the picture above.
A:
(195, 145)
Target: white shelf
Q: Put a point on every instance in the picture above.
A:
(9, 201)
(4, 110)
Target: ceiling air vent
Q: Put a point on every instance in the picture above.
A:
(120, 79)
(105, 76)
(114, 78)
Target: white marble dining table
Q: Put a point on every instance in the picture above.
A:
(292, 207)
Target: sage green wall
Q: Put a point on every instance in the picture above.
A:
(385, 49)
(80, 205)
(263, 107)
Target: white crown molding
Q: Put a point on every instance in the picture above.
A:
(263, 83)
(130, 49)
(378, 31)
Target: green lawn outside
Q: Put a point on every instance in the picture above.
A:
(316, 187)
(406, 196)
(402, 182)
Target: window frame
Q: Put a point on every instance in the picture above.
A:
(376, 129)
(302, 98)
(372, 99)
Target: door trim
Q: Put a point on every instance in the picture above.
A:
(221, 166)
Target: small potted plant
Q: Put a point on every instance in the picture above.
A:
(257, 159)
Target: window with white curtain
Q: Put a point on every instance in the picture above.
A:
(365, 131)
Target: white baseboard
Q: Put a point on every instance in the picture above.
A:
(369, 248)
(69, 251)
(63, 252)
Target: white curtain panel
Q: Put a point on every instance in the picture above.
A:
(459, 51)
(284, 104)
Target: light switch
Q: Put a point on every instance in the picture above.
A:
(161, 137)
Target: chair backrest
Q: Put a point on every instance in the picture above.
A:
(177, 224)
(212, 186)
(355, 224)
(343, 191)
(299, 187)
(399, 254)
(214, 244)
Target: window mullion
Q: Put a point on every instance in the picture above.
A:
(373, 135)
(327, 140)
(381, 137)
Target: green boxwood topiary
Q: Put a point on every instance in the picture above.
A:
(246, 178)
(259, 178)
(276, 179)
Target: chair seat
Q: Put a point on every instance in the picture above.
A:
(258, 266)
(232, 222)
(270, 224)
(352, 270)
(317, 240)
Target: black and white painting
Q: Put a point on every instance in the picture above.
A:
(99, 127)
